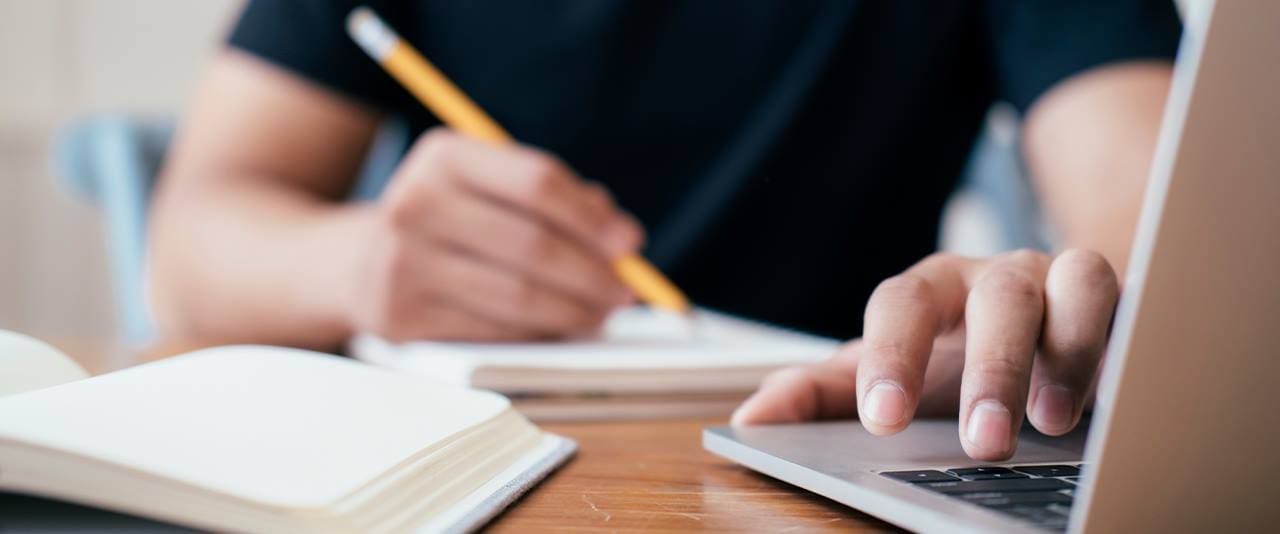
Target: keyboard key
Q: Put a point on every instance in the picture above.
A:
(1049, 470)
(918, 476)
(993, 476)
(996, 499)
(1073, 480)
(975, 471)
(1002, 485)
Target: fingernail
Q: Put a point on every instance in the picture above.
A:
(885, 404)
(989, 426)
(1054, 407)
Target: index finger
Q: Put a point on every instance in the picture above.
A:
(904, 315)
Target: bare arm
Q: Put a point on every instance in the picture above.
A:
(1088, 144)
(248, 234)
(251, 240)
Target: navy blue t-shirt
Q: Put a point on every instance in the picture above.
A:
(784, 156)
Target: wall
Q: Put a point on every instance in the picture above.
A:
(60, 59)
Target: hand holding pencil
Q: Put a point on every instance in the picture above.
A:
(454, 108)
(476, 242)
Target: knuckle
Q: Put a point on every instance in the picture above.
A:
(541, 176)
(399, 209)
(1002, 364)
(435, 137)
(943, 260)
(432, 147)
(904, 288)
(1010, 284)
(1085, 267)
(411, 205)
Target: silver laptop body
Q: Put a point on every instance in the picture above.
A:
(1186, 433)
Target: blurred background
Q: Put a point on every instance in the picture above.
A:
(63, 60)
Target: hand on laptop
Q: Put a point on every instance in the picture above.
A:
(990, 338)
(481, 242)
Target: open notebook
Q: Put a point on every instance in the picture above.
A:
(644, 364)
(263, 439)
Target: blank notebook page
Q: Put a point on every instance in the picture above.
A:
(251, 421)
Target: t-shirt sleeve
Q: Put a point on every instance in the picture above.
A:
(309, 38)
(1038, 43)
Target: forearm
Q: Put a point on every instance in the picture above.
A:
(249, 260)
(1088, 146)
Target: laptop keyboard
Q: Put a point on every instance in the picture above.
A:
(1040, 494)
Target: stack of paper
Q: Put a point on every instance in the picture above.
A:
(644, 364)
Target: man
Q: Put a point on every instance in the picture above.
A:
(785, 158)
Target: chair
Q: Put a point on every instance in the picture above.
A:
(112, 160)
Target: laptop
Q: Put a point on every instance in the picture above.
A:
(1185, 435)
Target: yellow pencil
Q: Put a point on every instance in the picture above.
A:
(454, 108)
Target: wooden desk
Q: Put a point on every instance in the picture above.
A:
(639, 475)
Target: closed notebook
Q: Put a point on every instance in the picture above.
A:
(644, 364)
(262, 439)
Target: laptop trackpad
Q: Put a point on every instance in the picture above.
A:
(845, 447)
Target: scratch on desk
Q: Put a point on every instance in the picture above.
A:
(666, 510)
(686, 515)
(607, 515)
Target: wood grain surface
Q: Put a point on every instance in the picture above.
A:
(654, 475)
(626, 476)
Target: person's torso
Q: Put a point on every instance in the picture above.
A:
(784, 156)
